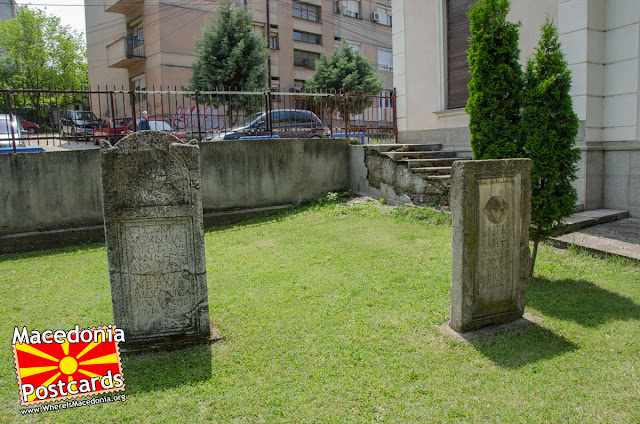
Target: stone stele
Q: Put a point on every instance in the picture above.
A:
(152, 206)
(491, 214)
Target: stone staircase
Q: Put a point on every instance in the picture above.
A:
(418, 172)
(427, 160)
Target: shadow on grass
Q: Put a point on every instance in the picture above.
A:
(156, 371)
(83, 247)
(579, 301)
(526, 345)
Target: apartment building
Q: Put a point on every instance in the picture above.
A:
(8, 9)
(142, 44)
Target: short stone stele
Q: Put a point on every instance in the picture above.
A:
(491, 214)
(155, 242)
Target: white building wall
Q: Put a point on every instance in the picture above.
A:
(601, 39)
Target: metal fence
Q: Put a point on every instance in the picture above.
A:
(56, 117)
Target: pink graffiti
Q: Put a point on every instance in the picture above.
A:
(186, 118)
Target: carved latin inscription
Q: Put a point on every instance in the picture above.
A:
(156, 262)
(498, 249)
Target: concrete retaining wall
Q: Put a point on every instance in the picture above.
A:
(52, 191)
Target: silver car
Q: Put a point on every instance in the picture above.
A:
(7, 127)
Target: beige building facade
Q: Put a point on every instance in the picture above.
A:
(601, 40)
(145, 44)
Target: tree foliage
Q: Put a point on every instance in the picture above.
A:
(37, 52)
(230, 56)
(495, 90)
(549, 129)
(346, 71)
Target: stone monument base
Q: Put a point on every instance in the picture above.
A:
(527, 319)
(171, 342)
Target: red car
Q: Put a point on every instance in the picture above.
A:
(113, 129)
(32, 127)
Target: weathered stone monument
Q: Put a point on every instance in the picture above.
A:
(153, 227)
(491, 214)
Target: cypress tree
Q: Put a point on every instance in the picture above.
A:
(495, 90)
(549, 129)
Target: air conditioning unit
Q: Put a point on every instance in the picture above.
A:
(375, 17)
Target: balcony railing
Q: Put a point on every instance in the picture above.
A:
(135, 47)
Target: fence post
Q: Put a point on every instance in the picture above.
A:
(395, 116)
(113, 108)
(345, 116)
(198, 114)
(13, 136)
(132, 99)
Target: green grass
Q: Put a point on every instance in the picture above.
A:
(329, 314)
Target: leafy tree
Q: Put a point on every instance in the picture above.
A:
(496, 87)
(346, 71)
(230, 56)
(37, 52)
(549, 130)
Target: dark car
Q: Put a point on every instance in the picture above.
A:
(29, 126)
(78, 123)
(286, 123)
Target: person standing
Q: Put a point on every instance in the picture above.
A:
(143, 124)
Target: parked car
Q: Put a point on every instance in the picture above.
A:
(286, 123)
(7, 127)
(161, 125)
(78, 123)
(113, 129)
(31, 127)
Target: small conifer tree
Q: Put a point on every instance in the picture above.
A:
(346, 70)
(549, 129)
(230, 57)
(495, 90)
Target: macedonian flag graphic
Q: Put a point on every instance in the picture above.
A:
(60, 365)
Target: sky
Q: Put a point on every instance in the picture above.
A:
(71, 12)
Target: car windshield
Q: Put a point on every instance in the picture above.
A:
(249, 120)
(4, 125)
(86, 116)
(160, 126)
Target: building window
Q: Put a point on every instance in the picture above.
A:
(298, 85)
(275, 88)
(135, 39)
(306, 11)
(273, 42)
(458, 75)
(356, 46)
(302, 59)
(385, 60)
(381, 14)
(139, 83)
(306, 37)
(258, 30)
(351, 8)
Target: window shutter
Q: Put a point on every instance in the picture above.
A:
(457, 44)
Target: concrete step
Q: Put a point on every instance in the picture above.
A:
(439, 154)
(419, 163)
(581, 220)
(433, 170)
(438, 177)
(404, 147)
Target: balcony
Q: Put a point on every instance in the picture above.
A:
(125, 52)
(121, 6)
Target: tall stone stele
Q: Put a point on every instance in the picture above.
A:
(155, 241)
(491, 214)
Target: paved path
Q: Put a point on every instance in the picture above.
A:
(620, 238)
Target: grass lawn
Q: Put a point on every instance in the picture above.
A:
(329, 314)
